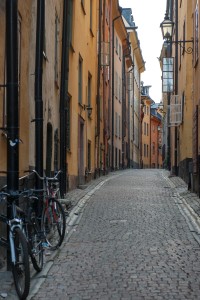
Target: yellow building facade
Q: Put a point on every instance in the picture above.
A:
(82, 90)
(146, 128)
(89, 123)
(180, 103)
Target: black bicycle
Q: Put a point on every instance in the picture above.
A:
(32, 228)
(16, 244)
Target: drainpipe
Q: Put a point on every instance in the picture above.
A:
(98, 88)
(63, 95)
(38, 93)
(12, 95)
(12, 103)
(123, 110)
(113, 86)
(104, 100)
(176, 92)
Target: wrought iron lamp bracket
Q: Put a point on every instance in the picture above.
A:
(188, 50)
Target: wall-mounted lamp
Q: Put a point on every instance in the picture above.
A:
(167, 27)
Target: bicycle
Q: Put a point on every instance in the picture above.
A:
(17, 245)
(32, 229)
(53, 220)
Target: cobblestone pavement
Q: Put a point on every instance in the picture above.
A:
(131, 235)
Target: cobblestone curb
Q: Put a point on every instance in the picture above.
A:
(187, 202)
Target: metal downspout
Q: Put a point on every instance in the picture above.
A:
(104, 101)
(98, 89)
(123, 111)
(176, 92)
(113, 85)
(38, 91)
(63, 96)
(12, 103)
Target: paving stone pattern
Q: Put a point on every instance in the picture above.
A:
(131, 242)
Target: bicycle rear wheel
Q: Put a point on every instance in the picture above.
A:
(36, 244)
(54, 223)
(20, 268)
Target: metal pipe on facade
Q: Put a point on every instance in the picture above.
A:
(176, 93)
(113, 85)
(12, 95)
(98, 87)
(123, 109)
(104, 98)
(38, 91)
(64, 95)
(12, 102)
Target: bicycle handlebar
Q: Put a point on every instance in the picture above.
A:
(45, 177)
(16, 194)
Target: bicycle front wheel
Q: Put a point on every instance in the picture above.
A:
(54, 223)
(20, 268)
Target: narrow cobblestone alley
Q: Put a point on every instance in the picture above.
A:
(131, 242)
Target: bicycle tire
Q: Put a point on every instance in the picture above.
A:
(35, 244)
(54, 223)
(21, 269)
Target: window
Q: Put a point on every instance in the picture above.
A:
(83, 6)
(147, 129)
(119, 88)
(119, 127)
(116, 84)
(116, 158)
(89, 156)
(91, 14)
(80, 78)
(175, 109)
(49, 149)
(89, 89)
(56, 59)
(68, 116)
(144, 150)
(120, 52)
(56, 149)
(44, 45)
(168, 74)
(183, 105)
(153, 148)
(147, 150)
(116, 45)
(184, 38)
(116, 124)
(71, 15)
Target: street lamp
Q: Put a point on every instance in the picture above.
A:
(167, 27)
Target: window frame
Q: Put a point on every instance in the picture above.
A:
(80, 80)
